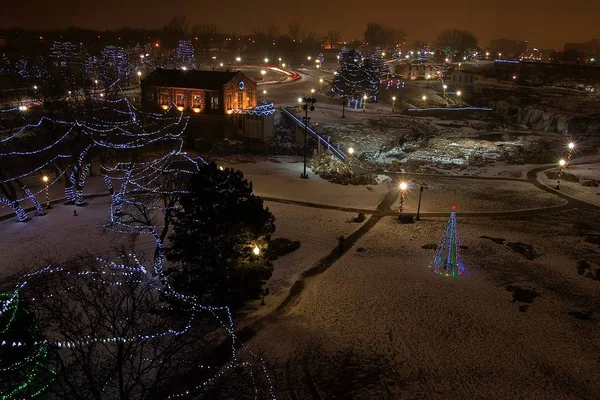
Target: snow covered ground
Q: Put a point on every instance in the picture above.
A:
(282, 180)
(464, 338)
(470, 195)
(589, 194)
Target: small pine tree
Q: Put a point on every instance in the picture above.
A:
(216, 231)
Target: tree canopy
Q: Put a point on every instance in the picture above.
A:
(453, 41)
(386, 37)
(216, 230)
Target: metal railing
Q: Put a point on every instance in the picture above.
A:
(338, 153)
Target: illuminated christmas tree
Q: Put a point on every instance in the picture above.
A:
(447, 260)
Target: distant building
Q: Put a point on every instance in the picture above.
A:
(222, 103)
(507, 49)
(587, 52)
(414, 71)
(461, 78)
(213, 92)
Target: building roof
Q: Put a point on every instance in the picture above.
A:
(192, 79)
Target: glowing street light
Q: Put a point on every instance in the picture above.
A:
(34, 87)
(282, 65)
(561, 166)
(458, 93)
(309, 58)
(47, 190)
(350, 153)
(266, 60)
(428, 77)
(514, 78)
(184, 68)
(139, 73)
(321, 83)
(365, 103)
(256, 250)
(312, 91)
(263, 73)
(265, 96)
(444, 86)
(571, 147)
(299, 99)
(447, 60)
(393, 103)
(22, 108)
(424, 100)
(403, 187)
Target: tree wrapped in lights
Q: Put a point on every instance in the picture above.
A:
(24, 357)
(448, 260)
(350, 77)
(185, 54)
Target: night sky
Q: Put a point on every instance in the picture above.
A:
(546, 24)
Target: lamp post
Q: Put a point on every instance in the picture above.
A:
(424, 100)
(458, 93)
(365, 103)
(393, 103)
(309, 104)
(263, 73)
(444, 86)
(266, 60)
(428, 77)
(403, 187)
(419, 206)
(265, 96)
(561, 166)
(350, 153)
(514, 79)
(279, 59)
(214, 62)
(47, 190)
(570, 153)
(321, 83)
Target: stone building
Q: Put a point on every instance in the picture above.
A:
(414, 71)
(206, 92)
(462, 78)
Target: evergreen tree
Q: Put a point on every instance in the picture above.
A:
(351, 78)
(217, 229)
(185, 54)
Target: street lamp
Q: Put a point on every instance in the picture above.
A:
(263, 73)
(393, 103)
(403, 187)
(419, 206)
(265, 96)
(514, 78)
(221, 65)
(282, 65)
(237, 60)
(312, 91)
(350, 153)
(256, 250)
(428, 77)
(561, 165)
(458, 93)
(266, 60)
(424, 100)
(365, 103)
(309, 104)
(309, 58)
(570, 153)
(444, 86)
(47, 190)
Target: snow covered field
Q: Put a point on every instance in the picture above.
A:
(522, 322)
(465, 338)
(282, 180)
(471, 195)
